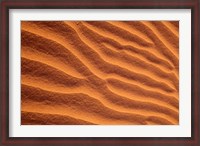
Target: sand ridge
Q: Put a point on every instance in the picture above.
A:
(100, 72)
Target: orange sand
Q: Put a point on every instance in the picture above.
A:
(100, 72)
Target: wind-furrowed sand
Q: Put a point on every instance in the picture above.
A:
(99, 72)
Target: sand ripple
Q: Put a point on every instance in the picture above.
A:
(100, 72)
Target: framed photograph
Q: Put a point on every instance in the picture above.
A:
(100, 72)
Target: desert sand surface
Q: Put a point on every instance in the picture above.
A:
(99, 72)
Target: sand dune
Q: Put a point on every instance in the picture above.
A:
(99, 72)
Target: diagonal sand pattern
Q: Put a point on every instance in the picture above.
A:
(100, 72)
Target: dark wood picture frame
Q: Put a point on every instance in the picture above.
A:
(194, 5)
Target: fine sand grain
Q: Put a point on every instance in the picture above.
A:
(99, 72)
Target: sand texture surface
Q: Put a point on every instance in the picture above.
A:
(99, 72)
